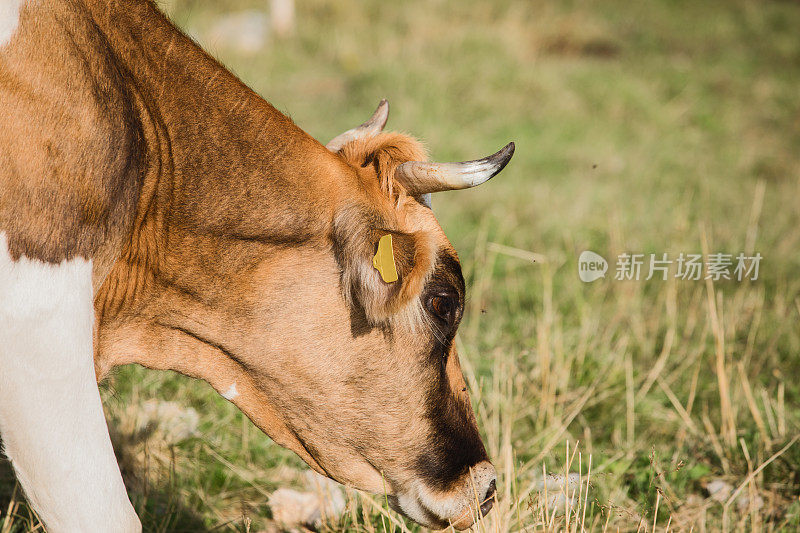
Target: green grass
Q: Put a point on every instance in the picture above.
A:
(668, 126)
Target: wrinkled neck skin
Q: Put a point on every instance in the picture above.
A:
(227, 182)
(220, 161)
(220, 164)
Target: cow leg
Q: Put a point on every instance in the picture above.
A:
(51, 416)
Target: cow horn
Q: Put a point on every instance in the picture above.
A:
(368, 129)
(420, 177)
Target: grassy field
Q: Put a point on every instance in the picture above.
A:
(641, 127)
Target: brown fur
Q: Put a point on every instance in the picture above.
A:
(358, 230)
(229, 245)
(378, 157)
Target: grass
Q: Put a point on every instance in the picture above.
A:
(647, 127)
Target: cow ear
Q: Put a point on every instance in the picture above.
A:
(369, 256)
(384, 153)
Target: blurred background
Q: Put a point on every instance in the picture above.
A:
(649, 127)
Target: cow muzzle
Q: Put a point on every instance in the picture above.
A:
(472, 497)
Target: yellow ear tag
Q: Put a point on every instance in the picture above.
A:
(384, 260)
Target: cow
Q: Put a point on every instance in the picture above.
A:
(155, 210)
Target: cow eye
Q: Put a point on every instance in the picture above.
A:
(442, 306)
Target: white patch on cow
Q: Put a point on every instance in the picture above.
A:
(231, 393)
(411, 507)
(9, 19)
(51, 416)
(418, 500)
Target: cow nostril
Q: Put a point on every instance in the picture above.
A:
(488, 500)
(491, 490)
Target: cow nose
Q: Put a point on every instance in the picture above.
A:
(488, 500)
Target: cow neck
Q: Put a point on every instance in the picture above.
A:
(219, 137)
(223, 165)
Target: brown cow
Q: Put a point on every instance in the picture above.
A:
(154, 210)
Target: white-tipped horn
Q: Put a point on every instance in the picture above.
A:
(421, 178)
(368, 129)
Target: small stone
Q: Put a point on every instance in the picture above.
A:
(323, 503)
(556, 487)
(172, 420)
(719, 490)
(743, 502)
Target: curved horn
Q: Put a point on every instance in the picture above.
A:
(420, 177)
(368, 129)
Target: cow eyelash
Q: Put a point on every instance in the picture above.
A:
(442, 305)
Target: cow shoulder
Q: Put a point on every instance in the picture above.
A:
(70, 139)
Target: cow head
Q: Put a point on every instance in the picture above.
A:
(356, 373)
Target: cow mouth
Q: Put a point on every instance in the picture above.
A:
(415, 508)
(419, 514)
